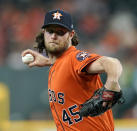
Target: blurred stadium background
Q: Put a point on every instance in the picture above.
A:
(107, 27)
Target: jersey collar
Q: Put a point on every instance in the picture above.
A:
(70, 49)
(65, 53)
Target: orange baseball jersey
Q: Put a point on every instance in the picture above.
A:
(69, 86)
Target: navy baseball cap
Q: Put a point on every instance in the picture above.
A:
(58, 17)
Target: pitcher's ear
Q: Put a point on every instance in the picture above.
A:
(72, 33)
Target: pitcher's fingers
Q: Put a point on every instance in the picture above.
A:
(28, 51)
(32, 64)
(105, 104)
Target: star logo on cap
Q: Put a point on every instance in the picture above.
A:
(57, 15)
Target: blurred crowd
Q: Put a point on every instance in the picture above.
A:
(106, 27)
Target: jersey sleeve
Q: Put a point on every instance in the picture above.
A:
(81, 60)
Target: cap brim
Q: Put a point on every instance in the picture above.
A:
(54, 23)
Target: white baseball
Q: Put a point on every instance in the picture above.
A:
(27, 58)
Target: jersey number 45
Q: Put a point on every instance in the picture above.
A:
(74, 116)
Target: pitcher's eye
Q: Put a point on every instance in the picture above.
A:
(61, 32)
(50, 31)
(57, 32)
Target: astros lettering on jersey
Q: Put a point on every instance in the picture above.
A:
(69, 86)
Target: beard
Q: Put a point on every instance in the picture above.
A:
(56, 49)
